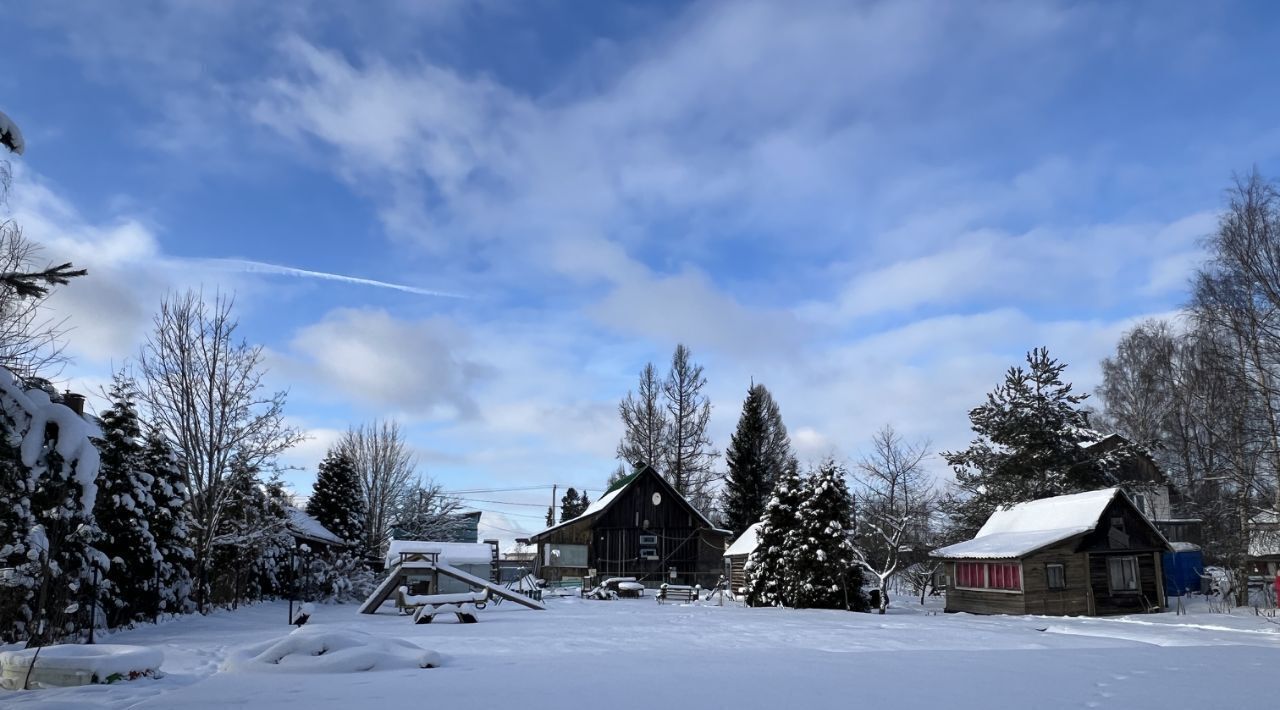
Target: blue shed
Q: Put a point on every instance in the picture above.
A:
(1182, 569)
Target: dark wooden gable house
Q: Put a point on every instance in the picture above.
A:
(1089, 554)
(642, 528)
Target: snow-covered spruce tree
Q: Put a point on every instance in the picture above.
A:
(757, 454)
(769, 570)
(170, 526)
(129, 591)
(1028, 445)
(337, 500)
(252, 547)
(47, 529)
(823, 564)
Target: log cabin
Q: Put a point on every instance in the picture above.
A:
(738, 554)
(1086, 554)
(642, 528)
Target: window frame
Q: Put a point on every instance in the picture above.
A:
(987, 577)
(1137, 574)
(1048, 577)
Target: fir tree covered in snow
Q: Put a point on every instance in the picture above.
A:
(337, 501)
(170, 525)
(1029, 444)
(769, 570)
(47, 531)
(252, 549)
(822, 567)
(125, 508)
(758, 453)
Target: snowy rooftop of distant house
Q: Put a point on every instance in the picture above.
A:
(1026, 527)
(746, 542)
(307, 527)
(454, 553)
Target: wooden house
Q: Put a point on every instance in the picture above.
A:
(1147, 487)
(1089, 554)
(737, 555)
(642, 528)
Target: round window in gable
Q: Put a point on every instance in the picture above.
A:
(657, 498)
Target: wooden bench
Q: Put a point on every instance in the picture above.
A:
(679, 592)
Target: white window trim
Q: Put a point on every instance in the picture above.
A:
(986, 577)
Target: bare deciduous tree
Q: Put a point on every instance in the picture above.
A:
(386, 467)
(203, 388)
(644, 422)
(688, 447)
(425, 512)
(895, 503)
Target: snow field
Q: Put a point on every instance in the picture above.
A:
(637, 654)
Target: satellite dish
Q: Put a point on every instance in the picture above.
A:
(657, 498)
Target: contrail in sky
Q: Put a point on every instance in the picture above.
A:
(258, 267)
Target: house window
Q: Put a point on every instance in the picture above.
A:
(1055, 576)
(989, 575)
(558, 555)
(1122, 574)
(1140, 501)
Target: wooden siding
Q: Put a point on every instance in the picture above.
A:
(684, 540)
(1073, 598)
(1148, 595)
(976, 601)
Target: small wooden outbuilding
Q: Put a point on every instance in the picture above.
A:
(1087, 554)
(738, 554)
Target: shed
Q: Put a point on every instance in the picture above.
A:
(641, 527)
(306, 530)
(738, 554)
(1089, 554)
(1183, 569)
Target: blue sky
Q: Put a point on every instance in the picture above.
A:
(873, 208)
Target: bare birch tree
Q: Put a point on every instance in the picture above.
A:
(387, 468)
(203, 389)
(425, 512)
(894, 503)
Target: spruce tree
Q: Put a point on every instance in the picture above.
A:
(823, 569)
(170, 526)
(129, 592)
(569, 504)
(337, 500)
(769, 572)
(758, 452)
(1029, 444)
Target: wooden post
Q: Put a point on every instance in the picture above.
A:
(1159, 567)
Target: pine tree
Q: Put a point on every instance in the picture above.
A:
(1029, 444)
(125, 508)
(769, 572)
(170, 526)
(823, 567)
(758, 453)
(573, 504)
(337, 500)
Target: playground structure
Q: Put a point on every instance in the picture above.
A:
(464, 606)
(419, 573)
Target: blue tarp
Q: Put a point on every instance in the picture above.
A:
(1182, 572)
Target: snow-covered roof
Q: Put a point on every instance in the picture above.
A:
(1020, 529)
(504, 529)
(454, 553)
(746, 542)
(307, 527)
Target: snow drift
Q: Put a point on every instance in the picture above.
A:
(75, 664)
(313, 649)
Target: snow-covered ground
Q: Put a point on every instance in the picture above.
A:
(636, 654)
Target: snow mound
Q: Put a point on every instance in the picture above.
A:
(74, 664)
(316, 649)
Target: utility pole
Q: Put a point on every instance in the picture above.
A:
(551, 512)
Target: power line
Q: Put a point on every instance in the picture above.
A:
(502, 502)
(497, 490)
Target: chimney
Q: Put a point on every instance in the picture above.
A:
(75, 401)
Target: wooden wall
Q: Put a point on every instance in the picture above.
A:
(1073, 599)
